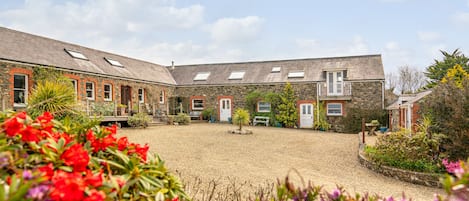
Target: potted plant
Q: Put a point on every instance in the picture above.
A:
(208, 113)
(121, 109)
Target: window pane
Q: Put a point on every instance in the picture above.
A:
(89, 86)
(19, 96)
(20, 81)
(309, 109)
(331, 82)
(107, 88)
(89, 94)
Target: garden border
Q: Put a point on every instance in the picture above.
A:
(425, 179)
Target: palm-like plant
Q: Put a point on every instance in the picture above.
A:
(241, 117)
(56, 97)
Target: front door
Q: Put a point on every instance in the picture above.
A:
(306, 115)
(225, 109)
(126, 94)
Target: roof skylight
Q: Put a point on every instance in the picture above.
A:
(275, 69)
(236, 75)
(296, 74)
(201, 76)
(76, 54)
(113, 62)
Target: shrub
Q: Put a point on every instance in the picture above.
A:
(241, 117)
(182, 119)
(287, 113)
(39, 161)
(207, 113)
(139, 120)
(55, 97)
(353, 120)
(321, 123)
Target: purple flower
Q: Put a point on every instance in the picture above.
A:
(335, 194)
(38, 192)
(3, 161)
(27, 174)
(390, 198)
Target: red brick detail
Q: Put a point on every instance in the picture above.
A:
(415, 116)
(77, 78)
(219, 106)
(344, 113)
(113, 89)
(22, 71)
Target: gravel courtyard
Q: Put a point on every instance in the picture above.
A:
(209, 152)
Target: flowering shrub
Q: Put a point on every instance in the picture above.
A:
(456, 185)
(39, 161)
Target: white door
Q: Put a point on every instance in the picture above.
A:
(306, 115)
(225, 109)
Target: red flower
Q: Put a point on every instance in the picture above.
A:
(45, 120)
(122, 143)
(94, 180)
(76, 157)
(12, 126)
(142, 151)
(30, 134)
(67, 186)
(90, 136)
(48, 170)
(95, 195)
(112, 129)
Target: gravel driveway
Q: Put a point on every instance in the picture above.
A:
(329, 159)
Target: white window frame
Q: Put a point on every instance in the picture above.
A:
(141, 95)
(335, 83)
(296, 74)
(113, 62)
(75, 54)
(75, 86)
(263, 110)
(93, 89)
(194, 107)
(237, 75)
(25, 91)
(329, 113)
(162, 94)
(110, 92)
(201, 76)
(276, 69)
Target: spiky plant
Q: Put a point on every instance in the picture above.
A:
(56, 97)
(241, 117)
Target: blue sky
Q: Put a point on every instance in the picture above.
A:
(404, 32)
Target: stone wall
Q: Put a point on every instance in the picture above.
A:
(425, 179)
(152, 91)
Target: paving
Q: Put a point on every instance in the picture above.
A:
(208, 152)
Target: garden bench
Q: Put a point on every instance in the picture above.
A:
(260, 119)
(195, 115)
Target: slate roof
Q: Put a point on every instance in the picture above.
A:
(32, 49)
(365, 67)
(408, 99)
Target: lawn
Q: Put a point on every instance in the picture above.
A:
(207, 152)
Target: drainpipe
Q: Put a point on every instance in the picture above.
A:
(172, 65)
(382, 93)
(317, 101)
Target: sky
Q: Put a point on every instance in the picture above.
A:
(405, 32)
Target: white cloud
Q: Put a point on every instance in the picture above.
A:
(236, 30)
(428, 36)
(461, 18)
(308, 47)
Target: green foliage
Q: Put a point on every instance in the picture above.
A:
(241, 117)
(353, 121)
(321, 123)
(140, 120)
(439, 69)
(448, 104)
(41, 74)
(208, 112)
(271, 97)
(103, 109)
(182, 119)
(287, 113)
(56, 97)
(416, 152)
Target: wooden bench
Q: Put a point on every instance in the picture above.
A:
(195, 115)
(260, 119)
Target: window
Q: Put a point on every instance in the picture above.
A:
(90, 90)
(334, 109)
(20, 90)
(76, 54)
(197, 104)
(162, 96)
(335, 83)
(263, 107)
(275, 69)
(236, 75)
(296, 74)
(75, 86)
(107, 92)
(113, 62)
(141, 95)
(201, 76)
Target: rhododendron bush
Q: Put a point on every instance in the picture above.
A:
(40, 161)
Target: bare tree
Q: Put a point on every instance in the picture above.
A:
(391, 81)
(410, 80)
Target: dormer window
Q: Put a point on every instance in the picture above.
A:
(236, 75)
(76, 54)
(113, 62)
(275, 69)
(201, 76)
(296, 74)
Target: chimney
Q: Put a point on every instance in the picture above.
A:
(172, 65)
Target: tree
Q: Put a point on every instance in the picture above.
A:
(410, 80)
(287, 107)
(391, 81)
(438, 70)
(241, 117)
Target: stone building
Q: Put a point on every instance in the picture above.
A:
(405, 112)
(102, 78)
